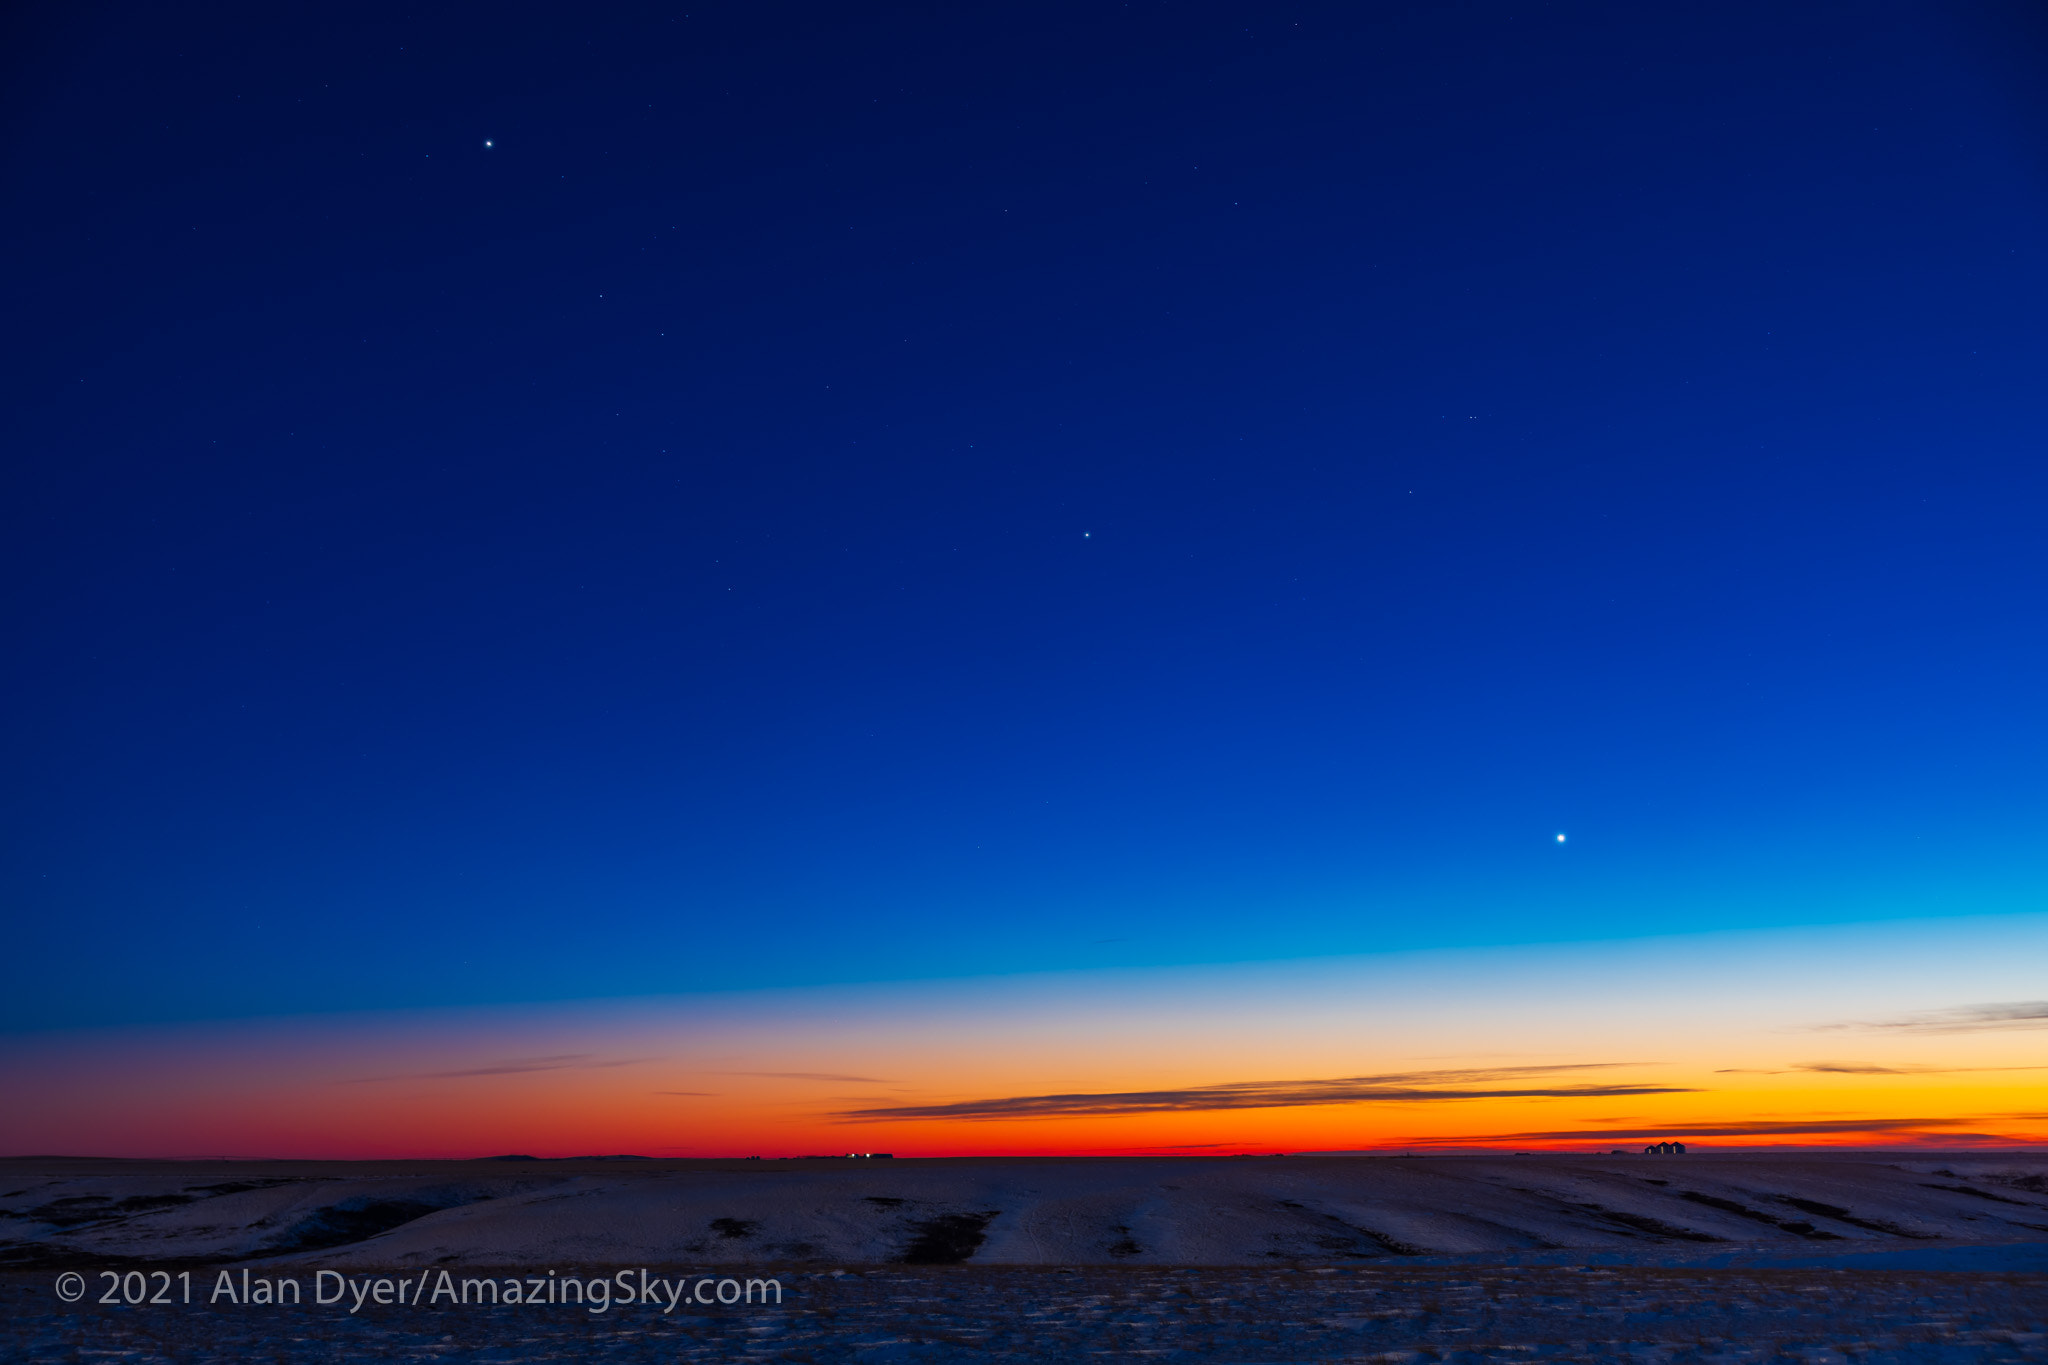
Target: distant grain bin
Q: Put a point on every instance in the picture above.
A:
(1665, 1149)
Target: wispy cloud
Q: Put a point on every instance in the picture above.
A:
(1910, 1069)
(512, 1067)
(2012, 1014)
(1764, 1128)
(1868, 1069)
(1402, 1087)
(807, 1076)
(701, 1094)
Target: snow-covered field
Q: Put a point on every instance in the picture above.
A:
(1111, 1211)
(1034, 1314)
(1815, 1256)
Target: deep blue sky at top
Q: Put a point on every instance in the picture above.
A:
(846, 492)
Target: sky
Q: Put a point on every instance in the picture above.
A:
(1836, 1036)
(550, 532)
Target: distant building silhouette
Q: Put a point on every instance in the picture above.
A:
(1665, 1149)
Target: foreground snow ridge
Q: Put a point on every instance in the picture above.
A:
(1808, 1208)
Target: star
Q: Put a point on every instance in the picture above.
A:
(1560, 838)
(487, 142)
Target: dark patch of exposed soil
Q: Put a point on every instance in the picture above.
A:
(235, 1186)
(1348, 1239)
(73, 1211)
(1813, 1206)
(1655, 1227)
(1798, 1228)
(948, 1239)
(145, 1203)
(1981, 1194)
(352, 1220)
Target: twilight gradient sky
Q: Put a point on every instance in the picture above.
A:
(512, 508)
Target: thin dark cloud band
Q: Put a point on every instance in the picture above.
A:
(1767, 1128)
(1403, 1088)
(2011, 1014)
(512, 1067)
(1868, 1069)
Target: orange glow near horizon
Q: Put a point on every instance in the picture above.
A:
(1917, 1036)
